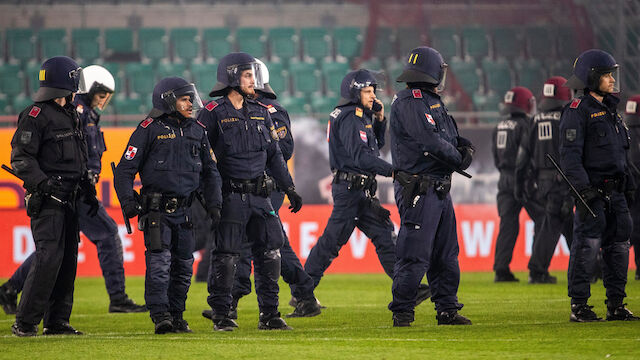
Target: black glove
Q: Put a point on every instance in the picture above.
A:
(590, 196)
(377, 209)
(518, 191)
(465, 142)
(50, 186)
(94, 204)
(131, 209)
(214, 214)
(467, 156)
(630, 195)
(294, 199)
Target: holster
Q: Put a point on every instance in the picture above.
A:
(414, 185)
(33, 203)
(410, 186)
(373, 203)
(152, 222)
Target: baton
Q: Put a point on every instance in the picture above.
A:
(575, 191)
(124, 214)
(449, 166)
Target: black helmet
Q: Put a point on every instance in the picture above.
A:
(230, 68)
(424, 65)
(59, 77)
(352, 83)
(168, 90)
(589, 67)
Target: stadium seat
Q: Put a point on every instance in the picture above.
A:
(217, 42)
(466, 73)
(315, 42)
(140, 77)
(487, 102)
(540, 42)
(394, 70)
(129, 105)
(11, 80)
(567, 43)
(475, 42)
(204, 77)
(283, 43)
(118, 41)
(385, 43)
(52, 42)
(507, 42)
(322, 106)
(20, 103)
(371, 64)
(31, 74)
(5, 109)
(498, 75)
(171, 69)
(305, 77)
(445, 40)
(152, 43)
(530, 75)
(185, 44)
(408, 38)
(295, 105)
(278, 80)
(251, 41)
(333, 73)
(20, 44)
(562, 68)
(347, 41)
(86, 45)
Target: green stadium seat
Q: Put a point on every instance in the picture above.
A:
(217, 42)
(11, 80)
(475, 42)
(385, 43)
(347, 41)
(540, 42)
(530, 74)
(322, 106)
(152, 43)
(20, 44)
(5, 109)
(278, 79)
(315, 42)
(141, 79)
(507, 41)
(498, 75)
(487, 102)
(394, 70)
(371, 64)
(52, 42)
(204, 77)
(333, 73)
(129, 105)
(20, 103)
(283, 43)
(295, 105)
(305, 77)
(567, 43)
(251, 41)
(445, 40)
(31, 73)
(408, 38)
(86, 44)
(118, 41)
(171, 69)
(466, 73)
(562, 68)
(185, 43)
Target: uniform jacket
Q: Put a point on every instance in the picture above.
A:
(89, 121)
(506, 139)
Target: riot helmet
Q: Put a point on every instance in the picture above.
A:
(589, 67)
(554, 94)
(425, 65)
(519, 100)
(96, 79)
(166, 95)
(267, 91)
(230, 71)
(59, 76)
(353, 83)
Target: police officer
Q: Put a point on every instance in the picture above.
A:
(552, 193)
(519, 106)
(100, 229)
(245, 143)
(425, 146)
(171, 152)
(301, 284)
(49, 154)
(632, 120)
(593, 147)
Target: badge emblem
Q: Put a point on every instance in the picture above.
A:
(363, 136)
(430, 119)
(131, 152)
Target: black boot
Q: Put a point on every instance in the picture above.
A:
(452, 318)
(22, 330)
(403, 319)
(8, 299)
(424, 292)
(62, 328)
(583, 313)
(620, 313)
(207, 313)
(306, 308)
(272, 321)
(505, 276)
(222, 323)
(123, 304)
(233, 310)
(180, 325)
(542, 278)
(163, 323)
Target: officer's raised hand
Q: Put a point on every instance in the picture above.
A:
(214, 214)
(294, 199)
(378, 109)
(51, 185)
(590, 196)
(131, 209)
(89, 196)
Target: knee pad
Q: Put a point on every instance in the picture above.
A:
(224, 267)
(271, 264)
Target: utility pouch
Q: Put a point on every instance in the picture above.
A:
(410, 186)
(442, 188)
(33, 203)
(153, 231)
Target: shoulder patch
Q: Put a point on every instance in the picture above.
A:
(80, 108)
(359, 112)
(146, 122)
(263, 105)
(35, 111)
(211, 105)
(417, 93)
(201, 124)
(272, 109)
(575, 103)
(335, 113)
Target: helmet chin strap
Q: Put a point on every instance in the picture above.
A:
(238, 89)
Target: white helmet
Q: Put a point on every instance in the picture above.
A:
(98, 79)
(264, 73)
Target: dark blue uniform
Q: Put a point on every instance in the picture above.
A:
(100, 229)
(173, 158)
(593, 149)
(633, 123)
(291, 269)
(354, 143)
(245, 144)
(427, 240)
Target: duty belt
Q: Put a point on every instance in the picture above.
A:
(609, 185)
(356, 181)
(261, 186)
(164, 203)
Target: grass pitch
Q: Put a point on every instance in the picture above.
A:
(510, 321)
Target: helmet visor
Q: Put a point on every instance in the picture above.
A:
(172, 97)
(78, 79)
(609, 79)
(246, 75)
(441, 86)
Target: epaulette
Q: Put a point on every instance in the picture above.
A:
(146, 122)
(35, 111)
(359, 112)
(80, 109)
(575, 103)
(263, 105)
(417, 93)
(211, 105)
(201, 124)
